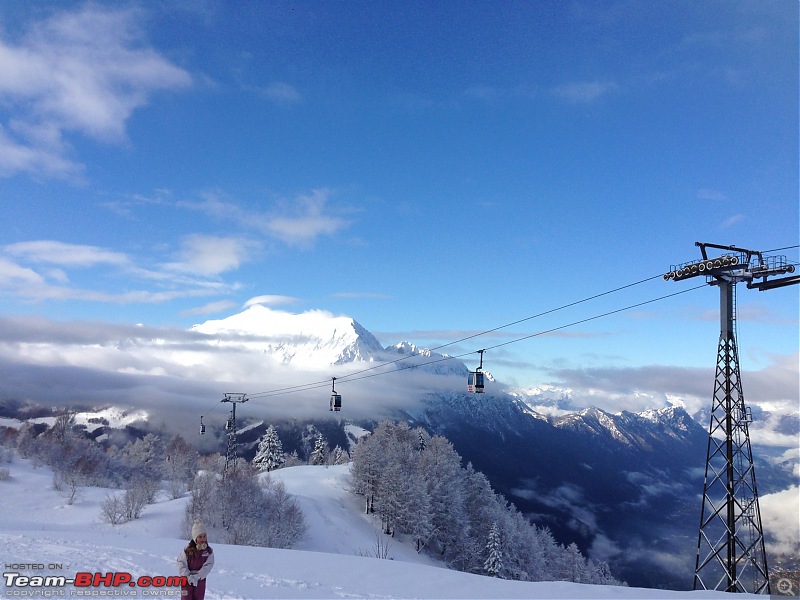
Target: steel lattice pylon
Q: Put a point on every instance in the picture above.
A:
(230, 427)
(730, 546)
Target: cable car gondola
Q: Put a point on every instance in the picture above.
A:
(202, 426)
(336, 399)
(475, 378)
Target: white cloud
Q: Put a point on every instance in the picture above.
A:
(209, 309)
(60, 253)
(149, 367)
(211, 255)
(125, 207)
(84, 71)
(781, 520)
(58, 275)
(281, 93)
(306, 220)
(296, 221)
(39, 281)
(584, 92)
(773, 390)
(732, 220)
(709, 194)
(18, 157)
(568, 497)
(603, 548)
(12, 274)
(269, 300)
(141, 296)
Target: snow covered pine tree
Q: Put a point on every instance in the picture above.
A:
(320, 454)
(270, 452)
(494, 561)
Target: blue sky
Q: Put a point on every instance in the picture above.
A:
(430, 169)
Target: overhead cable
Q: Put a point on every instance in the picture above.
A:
(463, 339)
(358, 375)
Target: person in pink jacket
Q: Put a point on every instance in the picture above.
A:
(195, 563)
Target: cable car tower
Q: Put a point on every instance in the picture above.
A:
(230, 427)
(730, 545)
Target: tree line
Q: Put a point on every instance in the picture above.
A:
(270, 454)
(415, 484)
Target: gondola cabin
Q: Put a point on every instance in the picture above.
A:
(202, 426)
(475, 382)
(336, 399)
(475, 378)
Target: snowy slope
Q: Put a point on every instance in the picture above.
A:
(37, 527)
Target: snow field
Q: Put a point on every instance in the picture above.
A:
(38, 527)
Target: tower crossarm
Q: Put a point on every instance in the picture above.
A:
(736, 265)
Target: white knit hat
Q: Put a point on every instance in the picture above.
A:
(198, 529)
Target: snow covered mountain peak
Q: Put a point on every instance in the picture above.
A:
(430, 361)
(406, 347)
(674, 416)
(313, 339)
(317, 339)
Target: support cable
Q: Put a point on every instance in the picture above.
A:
(355, 375)
(317, 384)
(358, 375)
(779, 249)
(547, 312)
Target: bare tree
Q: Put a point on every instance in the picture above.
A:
(180, 465)
(112, 510)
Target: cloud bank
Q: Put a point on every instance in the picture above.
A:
(180, 374)
(182, 371)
